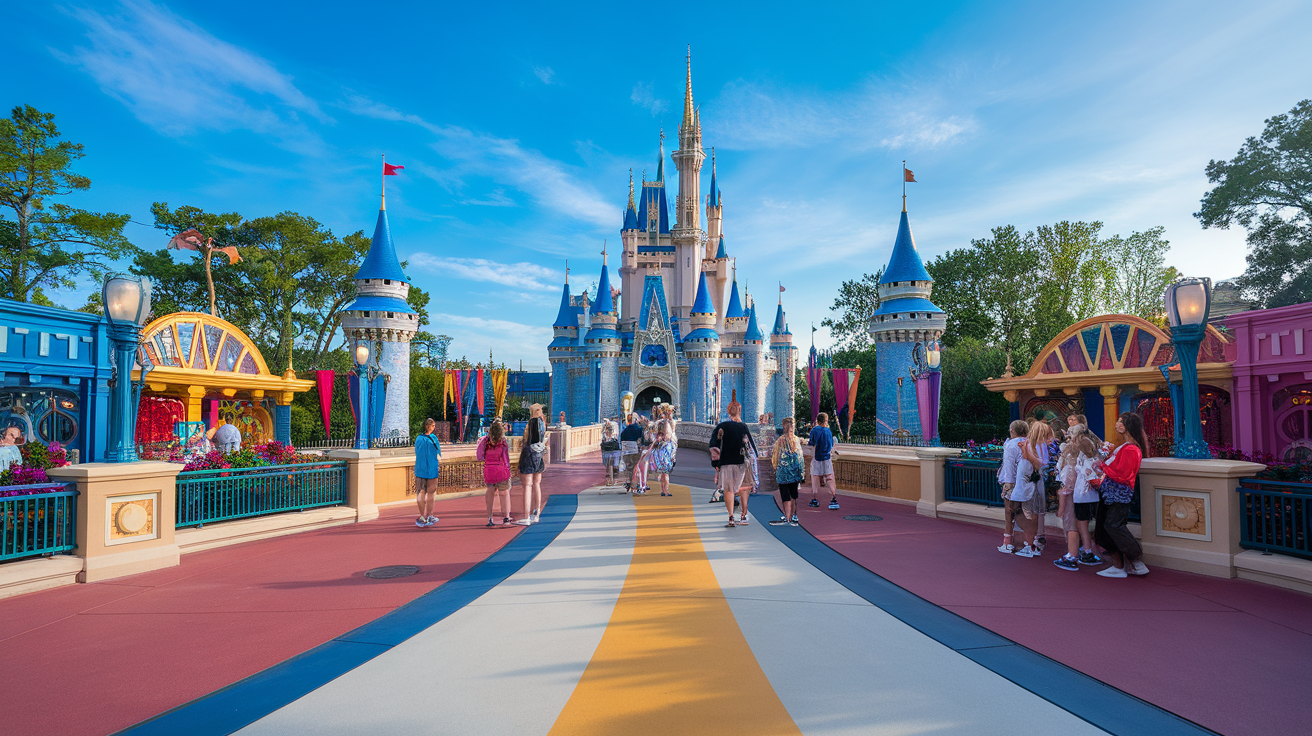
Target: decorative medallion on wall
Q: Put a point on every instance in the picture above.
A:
(131, 518)
(1184, 514)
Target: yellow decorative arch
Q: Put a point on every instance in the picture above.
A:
(1115, 342)
(197, 355)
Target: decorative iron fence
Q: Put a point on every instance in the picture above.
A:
(1276, 516)
(40, 523)
(206, 496)
(895, 441)
(857, 476)
(972, 481)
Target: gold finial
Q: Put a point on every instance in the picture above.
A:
(689, 114)
(631, 188)
(567, 272)
(603, 252)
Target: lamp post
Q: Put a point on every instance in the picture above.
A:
(929, 383)
(127, 305)
(1188, 305)
(366, 385)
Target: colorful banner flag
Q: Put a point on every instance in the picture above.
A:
(499, 389)
(841, 411)
(814, 378)
(390, 170)
(854, 378)
(323, 382)
(481, 412)
(377, 406)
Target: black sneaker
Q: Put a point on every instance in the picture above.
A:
(1089, 558)
(1066, 563)
(815, 504)
(794, 519)
(779, 522)
(833, 503)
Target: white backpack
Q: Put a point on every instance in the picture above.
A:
(1084, 493)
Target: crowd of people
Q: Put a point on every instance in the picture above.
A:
(1093, 482)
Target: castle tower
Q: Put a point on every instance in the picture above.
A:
(753, 369)
(381, 316)
(630, 279)
(785, 355)
(906, 317)
(562, 354)
(687, 233)
(701, 349)
(602, 344)
(735, 317)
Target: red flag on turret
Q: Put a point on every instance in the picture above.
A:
(390, 170)
(908, 174)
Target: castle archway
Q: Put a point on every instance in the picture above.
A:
(650, 397)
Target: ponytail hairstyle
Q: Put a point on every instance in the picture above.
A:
(496, 434)
(1134, 430)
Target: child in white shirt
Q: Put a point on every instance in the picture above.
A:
(1016, 489)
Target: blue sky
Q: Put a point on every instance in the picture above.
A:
(518, 123)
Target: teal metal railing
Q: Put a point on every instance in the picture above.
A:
(206, 496)
(1276, 516)
(40, 523)
(972, 481)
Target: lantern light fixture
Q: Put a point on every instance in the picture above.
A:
(127, 300)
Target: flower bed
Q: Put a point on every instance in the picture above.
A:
(37, 459)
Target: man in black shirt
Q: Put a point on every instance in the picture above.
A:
(731, 439)
(630, 438)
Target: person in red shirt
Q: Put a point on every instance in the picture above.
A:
(1116, 486)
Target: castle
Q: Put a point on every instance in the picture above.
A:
(675, 331)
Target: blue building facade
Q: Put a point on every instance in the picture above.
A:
(905, 318)
(56, 371)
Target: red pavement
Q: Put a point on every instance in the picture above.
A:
(1232, 655)
(93, 659)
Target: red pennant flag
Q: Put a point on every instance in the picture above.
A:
(390, 170)
(908, 174)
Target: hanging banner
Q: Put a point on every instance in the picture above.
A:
(459, 402)
(854, 379)
(323, 382)
(928, 385)
(597, 383)
(814, 377)
(481, 412)
(353, 395)
(840, 400)
(499, 390)
(448, 391)
(377, 405)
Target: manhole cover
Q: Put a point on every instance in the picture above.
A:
(391, 571)
(863, 517)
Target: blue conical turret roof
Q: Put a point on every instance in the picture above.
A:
(660, 162)
(603, 304)
(905, 264)
(565, 317)
(713, 198)
(753, 330)
(780, 324)
(721, 253)
(735, 309)
(702, 304)
(630, 218)
(381, 262)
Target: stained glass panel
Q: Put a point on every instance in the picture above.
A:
(1132, 357)
(1105, 360)
(168, 350)
(231, 352)
(1070, 351)
(1145, 341)
(1090, 336)
(213, 336)
(150, 351)
(1052, 364)
(1164, 355)
(248, 364)
(186, 333)
(1120, 335)
(198, 362)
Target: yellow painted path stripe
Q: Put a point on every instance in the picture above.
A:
(672, 659)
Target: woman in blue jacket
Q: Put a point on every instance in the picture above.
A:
(428, 453)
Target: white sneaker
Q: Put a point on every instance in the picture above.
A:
(1112, 572)
(1006, 549)
(1028, 551)
(742, 520)
(1138, 568)
(526, 521)
(421, 522)
(432, 520)
(537, 516)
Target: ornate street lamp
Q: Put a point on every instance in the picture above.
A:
(929, 383)
(127, 305)
(365, 382)
(1188, 305)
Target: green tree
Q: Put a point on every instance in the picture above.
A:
(957, 291)
(857, 300)
(1140, 276)
(429, 350)
(967, 410)
(1267, 188)
(1010, 274)
(48, 244)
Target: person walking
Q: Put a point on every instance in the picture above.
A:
(630, 438)
(664, 453)
(731, 439)
(788, 471)
(611, 457)
(822, 464)
(428, 454)
(532, 462)
(494, 451)
(1116, 486)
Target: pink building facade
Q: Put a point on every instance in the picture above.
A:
(1272, 401)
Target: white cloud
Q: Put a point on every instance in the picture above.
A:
(548, 182)
(497, 198)
(544, 73)
(178, 78)
(644, 97)
(521, 275)
(474, 337)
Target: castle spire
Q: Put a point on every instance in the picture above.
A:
(660, 160)
(713, 199)
(689, 110)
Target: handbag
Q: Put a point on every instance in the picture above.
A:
(541, 444)
(715, 451)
